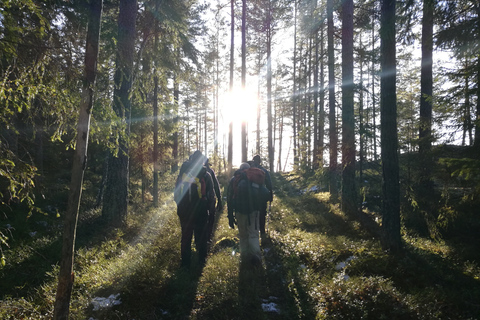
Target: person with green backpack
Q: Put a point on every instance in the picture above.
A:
(246, 193)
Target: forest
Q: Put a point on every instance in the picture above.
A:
(365, 112)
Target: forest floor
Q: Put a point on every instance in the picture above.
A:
(317, 264)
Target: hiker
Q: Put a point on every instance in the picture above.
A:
(195, 198)
(219, 207)
(268, 183)
(245, 193)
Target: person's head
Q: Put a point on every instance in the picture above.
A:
(197, 157)
(244, 166)
(256, 160)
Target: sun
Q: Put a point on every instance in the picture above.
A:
(239, 105)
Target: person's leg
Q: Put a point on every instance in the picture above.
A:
(186, 242)
(201, 236)
(248, 230)
(253, 238)
(262, 218)
(242, 224)
(211, 222)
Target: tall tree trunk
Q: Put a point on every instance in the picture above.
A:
(176, 99)
(426, 88)
(280, 142)
(244, 75)
(116, 192)
(389, 139)
(155, 141)
(374, 112)
(271, 154)
(321, 106)
(361, 119)
(66, 274)
(232, 51)
(295, 92)
(332, 130)
(476, 141)
(316, 152)
(349, 193)
(259, 107)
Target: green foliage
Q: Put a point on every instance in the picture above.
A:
(16, 179)
(361, 298)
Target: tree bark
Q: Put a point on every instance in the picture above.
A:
(332, 130)
(116, 192)
(155, 141)
(389, 139)
(244, 75)
(426, 93)
(232, 47)
(66, 275)
(349, 198)
(271, 153)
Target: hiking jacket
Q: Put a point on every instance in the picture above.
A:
(207, 203)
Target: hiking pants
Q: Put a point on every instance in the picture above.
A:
(248, 232)
(194, 224)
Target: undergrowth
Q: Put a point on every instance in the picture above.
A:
(317, 264)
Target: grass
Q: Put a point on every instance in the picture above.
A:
(317, 264)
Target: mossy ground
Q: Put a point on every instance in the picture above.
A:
(317, 264)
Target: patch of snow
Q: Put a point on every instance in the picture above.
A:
(340, 266)
(269, 306)
(101, 303)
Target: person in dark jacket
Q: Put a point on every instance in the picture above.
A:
(268, 183)
(195, 198)
(219, 207)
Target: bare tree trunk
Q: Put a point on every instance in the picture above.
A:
(155, 141)
(280, 142)
(66, 275)
(374, 112)
(244, 74)
(426, 88)
(316, 150)
(232, 46)
(176, 97)
(389, 139)
(476, 141)
(332, 130)
(295, 92)
(361, 119)
(116, 192)
(349, 192)
(321, 106)
(271, 153)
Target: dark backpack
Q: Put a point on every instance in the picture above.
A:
(249, 191)
(191, 184)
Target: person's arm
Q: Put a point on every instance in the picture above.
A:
(268, 184)
(231, 217)
(216, 186)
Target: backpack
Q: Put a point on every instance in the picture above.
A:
(191, 184)
(249, 191)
